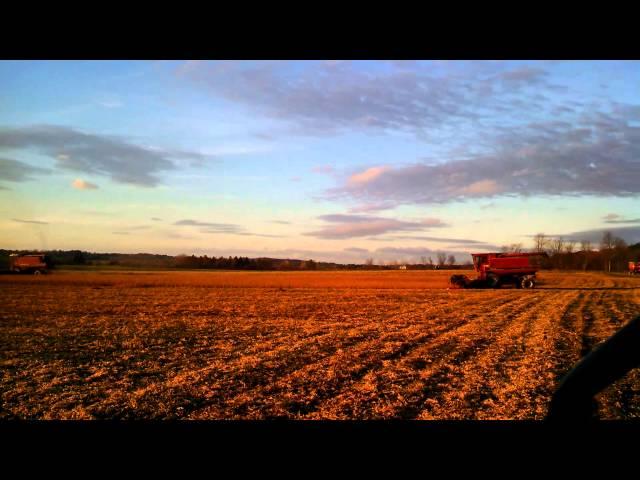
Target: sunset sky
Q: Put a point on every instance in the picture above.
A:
(330, 160)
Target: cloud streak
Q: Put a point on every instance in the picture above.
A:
(15, 171)
(350, 226)
(221, 228)
(80, 184)
(37, 222)
(631, 234)
(114, 157)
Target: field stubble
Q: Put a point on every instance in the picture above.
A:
(319, 345)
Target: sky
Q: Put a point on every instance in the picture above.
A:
(330, 160)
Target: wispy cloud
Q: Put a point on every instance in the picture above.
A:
(222, 228)
(94, 154)
(598, 155)
(83, 185)
(319, 98)
(324, 169)
(372, 207)
(37, 222)
(350, 226)
(463, 241)
(210, 227)
(618, 219)
(15, 171)
(631, 234)
(356, 250)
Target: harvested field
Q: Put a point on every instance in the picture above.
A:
(316, 345)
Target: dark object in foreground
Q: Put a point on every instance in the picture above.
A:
(574, 398)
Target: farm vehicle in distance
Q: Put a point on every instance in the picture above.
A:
(497, 269)
(34, 263)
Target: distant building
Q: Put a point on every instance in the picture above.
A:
(403, 267)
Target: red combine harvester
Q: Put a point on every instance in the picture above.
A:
(634, 268)
(496, 269)
(35, 263)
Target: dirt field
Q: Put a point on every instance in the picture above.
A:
(319, 345)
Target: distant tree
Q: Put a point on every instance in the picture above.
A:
(451, 260)
(368, 262)
(557, 245)
(442, 258)
(515, 248)
(620, 253)
(423, 260)
(608, 241)
(79, 258)
(540, 242)
(430, 262)
(606, 246)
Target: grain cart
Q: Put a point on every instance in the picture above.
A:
(35, 263)
(496, 269)
(634, 268)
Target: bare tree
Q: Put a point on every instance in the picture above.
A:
(606, 246)
(619, 251)
(423, 260)
(430, 262)
(516, 247)
(540, 242)
(557, 245)
(442, 258)
(570, 246)
(608, 241)
(368, 262)
(451, 260)
(585, 246)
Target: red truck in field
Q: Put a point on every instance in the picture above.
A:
(497, 269)
(33, 263)
(634, 268)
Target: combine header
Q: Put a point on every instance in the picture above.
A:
(496, 269)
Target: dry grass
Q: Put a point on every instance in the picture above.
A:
(301, 345)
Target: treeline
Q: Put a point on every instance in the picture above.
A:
(78, 258)
(612, 254)
(242, 263)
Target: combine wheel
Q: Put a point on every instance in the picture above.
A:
(37, 272)
(528, 283)
(493, 281)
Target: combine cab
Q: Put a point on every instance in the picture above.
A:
(36, 263)
(634, 268)
(497, 269)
